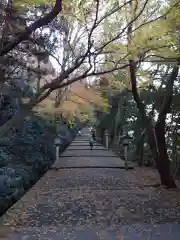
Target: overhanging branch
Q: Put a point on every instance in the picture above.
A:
(28, 30)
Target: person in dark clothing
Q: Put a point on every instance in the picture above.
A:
(94, 135)
(91, 142)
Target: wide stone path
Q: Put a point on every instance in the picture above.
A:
(78, 154)
(82, 197)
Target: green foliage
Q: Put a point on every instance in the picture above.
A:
(28, 3)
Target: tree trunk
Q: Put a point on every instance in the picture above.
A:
(157, 143)
(163, 159)
(164, 167)
(156, 136)
(140, 151)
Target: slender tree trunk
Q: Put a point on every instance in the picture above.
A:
(140, 151)
(159, 150)
(167, 178)
(39, 75)
(163, 159)
(156, 135)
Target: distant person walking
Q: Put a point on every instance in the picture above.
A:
(93, 134)
(79, 133)
(91, 142)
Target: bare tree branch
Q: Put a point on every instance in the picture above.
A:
(28, 30)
